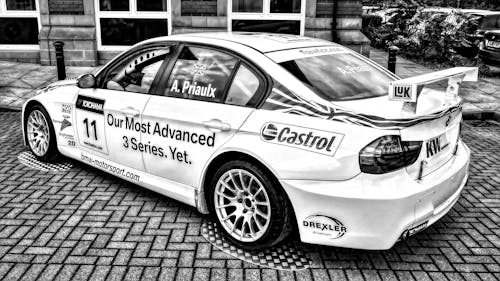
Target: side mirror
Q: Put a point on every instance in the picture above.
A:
(86, 81)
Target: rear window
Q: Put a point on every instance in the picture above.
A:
(490, 22)
(340, 76)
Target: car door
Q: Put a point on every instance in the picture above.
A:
(108, 118)
(200, 105)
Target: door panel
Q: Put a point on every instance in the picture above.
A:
(108, 124)
(184, 134)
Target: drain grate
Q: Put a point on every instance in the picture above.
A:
(283, 257)
(28, 159)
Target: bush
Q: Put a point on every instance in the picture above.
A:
(371, 21)
(441, 38)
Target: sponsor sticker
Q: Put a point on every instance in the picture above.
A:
(192, 88)
(294, 54)
(199, 69)
(318, 141)
(402, 92)
(413, 230)
(68, 135)
(66, 108)
(325, 226)
(90, 104)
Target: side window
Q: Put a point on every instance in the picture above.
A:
(137, 73)
(245, 85)
(200, 74)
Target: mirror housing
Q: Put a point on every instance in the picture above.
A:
(86, 81)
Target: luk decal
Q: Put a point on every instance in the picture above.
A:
(192, 88)
(317, 141)
(90, 104)
(399, 92)
(325, 226)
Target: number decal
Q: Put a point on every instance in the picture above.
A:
(90, 123)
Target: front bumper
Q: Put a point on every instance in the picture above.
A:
(374, 211)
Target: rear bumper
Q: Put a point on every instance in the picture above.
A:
(375, 211)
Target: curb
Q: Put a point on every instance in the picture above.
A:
(481, 115)
(9, 108)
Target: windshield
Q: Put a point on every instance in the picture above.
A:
(340, 77)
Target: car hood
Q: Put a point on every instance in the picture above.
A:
(57, 84)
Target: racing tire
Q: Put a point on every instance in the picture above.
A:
(40, 134)
(249, 205)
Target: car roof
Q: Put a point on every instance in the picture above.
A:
(262, 42)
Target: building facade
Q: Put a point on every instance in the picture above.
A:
(94, 31)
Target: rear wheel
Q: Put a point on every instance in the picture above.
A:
(40, 134)
(249, 205)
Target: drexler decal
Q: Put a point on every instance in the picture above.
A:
(90, 104)
(325, 226)
(317, 141)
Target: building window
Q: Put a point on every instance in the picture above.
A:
(199, 8)
(19, 23)
(122, 23)
(275, 16)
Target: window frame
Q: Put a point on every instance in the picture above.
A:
(132, 13)
(4, 13)
(264, 79)
(104, 72)
(266, 14)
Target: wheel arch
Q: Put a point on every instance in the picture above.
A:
(201, 194)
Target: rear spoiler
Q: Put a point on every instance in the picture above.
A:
(409, 89)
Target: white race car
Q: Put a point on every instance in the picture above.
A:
(268, 133)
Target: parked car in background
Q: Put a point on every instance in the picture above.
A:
(488, 21)
(489, 49)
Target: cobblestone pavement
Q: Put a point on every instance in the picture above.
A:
(82, 224)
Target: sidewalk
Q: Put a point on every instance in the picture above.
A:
(18, 82)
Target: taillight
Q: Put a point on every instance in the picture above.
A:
(387, 154)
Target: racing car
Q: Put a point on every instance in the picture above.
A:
(268, 133)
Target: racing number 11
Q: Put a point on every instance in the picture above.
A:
(86, 122)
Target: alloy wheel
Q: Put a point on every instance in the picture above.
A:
(242, 205)
(38, 133)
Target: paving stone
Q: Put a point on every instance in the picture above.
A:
(47, 229)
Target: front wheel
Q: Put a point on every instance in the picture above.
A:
(249, 205)
(40, 134)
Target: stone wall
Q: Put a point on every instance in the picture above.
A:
(75, 26)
